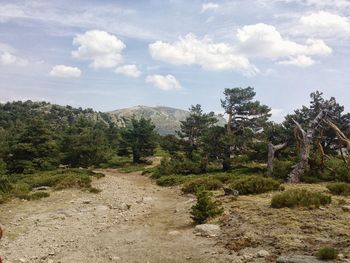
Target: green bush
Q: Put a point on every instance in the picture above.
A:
(208, 183)
(94, 190)
(300, 198)
(342, 170)
(281, 169)
(204, 208)
(21, 185)
(339, 188)
(170, 180)
(254, 185)
(38, 195)
(177, 166)
(327, 253)
(5, 185)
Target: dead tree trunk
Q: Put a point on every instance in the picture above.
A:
(306, 140)
(302, 165)
(272, 149)
(341, 136)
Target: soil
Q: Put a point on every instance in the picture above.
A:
(134, 220)
(131, 220)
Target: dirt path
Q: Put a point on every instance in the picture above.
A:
(131, 220)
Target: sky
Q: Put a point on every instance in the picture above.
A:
(107, 55)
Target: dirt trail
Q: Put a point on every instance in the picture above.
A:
(131, 220)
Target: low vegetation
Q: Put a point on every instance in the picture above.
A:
(327, 253)
(22, 186)
(254, 185)
(205, 208)
(208, 183)
(339, 188)
(300, 198)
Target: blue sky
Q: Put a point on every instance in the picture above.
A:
(115, 54)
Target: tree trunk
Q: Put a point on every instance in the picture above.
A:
(271, 154)
(229, 128)
(136, 156)
(300, 169)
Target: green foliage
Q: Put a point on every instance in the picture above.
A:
(342, 170)
(254, 185)
(21, 185)
(85, 144)
(177, 166)
(38, 195)
(170, 180)
(204, 208)
(300, 198)
(94, 190)
(327, 253)
(140, 138)
(207, 183)
(33, 149)
(339, 188)
(281, 169)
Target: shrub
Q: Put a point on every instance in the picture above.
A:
(38, 195)
(254, 185)
(94, 190)
(5, 185)
(177, 166)
(342, 170)
(170, 180)
(300, 198)
(327, 253)
(204, 208)
(281, 169)
(207, 183)
(339, 188)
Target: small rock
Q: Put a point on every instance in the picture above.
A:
(50, 261)
(341, 256)
(174, 233)
(263, 253)
(124, 207)
(147, 199)
(22, 260)
(346, 208)
(86, 202)
(207, 230)
(41, 188)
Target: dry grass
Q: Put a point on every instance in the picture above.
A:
(285, 231)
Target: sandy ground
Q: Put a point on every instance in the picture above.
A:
(131, 220)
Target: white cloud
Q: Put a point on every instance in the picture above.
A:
(301, 61)
(129, 70)
(324, 24)
(339, 4)
(190, 50)
(168, 82)
(264, 41)
(8, 56)
(101, 47)
(65, 72)
(209, 6)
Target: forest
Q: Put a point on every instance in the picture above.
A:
(46, 147)
(49, 145)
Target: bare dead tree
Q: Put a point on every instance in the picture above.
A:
(272, 149)
(341, 136)
(306, 139)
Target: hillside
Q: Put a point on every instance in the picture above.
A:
(166, 119)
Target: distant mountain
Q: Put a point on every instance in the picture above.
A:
(166, 119)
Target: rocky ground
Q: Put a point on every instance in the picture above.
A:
(133, 220)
